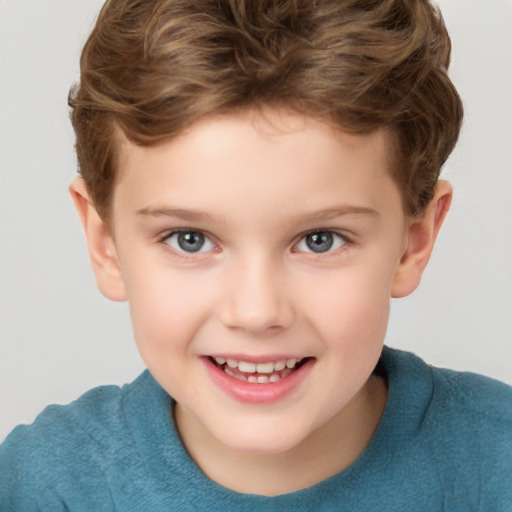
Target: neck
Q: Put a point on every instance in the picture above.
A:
(324, 453)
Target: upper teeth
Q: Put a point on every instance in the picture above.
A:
(246, 367)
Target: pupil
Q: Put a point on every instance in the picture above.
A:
(191, 241)
(319, 242)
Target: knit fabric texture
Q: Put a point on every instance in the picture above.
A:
(444, 443)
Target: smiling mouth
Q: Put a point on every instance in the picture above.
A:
(258, 373)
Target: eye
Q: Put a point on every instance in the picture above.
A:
(321, 241)
(189, 241)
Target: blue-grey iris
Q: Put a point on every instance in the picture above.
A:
(320, 242)
(191, 241)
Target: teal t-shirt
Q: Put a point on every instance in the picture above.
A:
(444, 443)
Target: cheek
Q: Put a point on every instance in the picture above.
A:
(167, 306)
(352, 309)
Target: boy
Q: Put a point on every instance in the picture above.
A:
(257, 180)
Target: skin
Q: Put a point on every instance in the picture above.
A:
(256, 185)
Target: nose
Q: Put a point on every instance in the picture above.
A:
(256, 298)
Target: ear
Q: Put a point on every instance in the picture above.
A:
(421, 236)
(102, 250)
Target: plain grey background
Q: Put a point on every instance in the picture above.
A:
(60, 337)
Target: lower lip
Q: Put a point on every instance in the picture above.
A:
(254, 393)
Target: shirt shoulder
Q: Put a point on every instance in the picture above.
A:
(475, 414)
(457, 394)
(63, 454)
(453, 431)
(467, 429)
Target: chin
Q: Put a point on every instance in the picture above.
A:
(258, 441)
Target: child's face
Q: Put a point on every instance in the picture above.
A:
(262, 243)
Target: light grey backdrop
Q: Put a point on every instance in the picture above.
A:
(60, 337)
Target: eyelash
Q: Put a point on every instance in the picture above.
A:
(187, 256)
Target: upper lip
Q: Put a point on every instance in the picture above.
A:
(258, 359)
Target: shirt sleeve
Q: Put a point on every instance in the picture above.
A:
(52, 465)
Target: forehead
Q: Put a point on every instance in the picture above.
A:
(263, 157)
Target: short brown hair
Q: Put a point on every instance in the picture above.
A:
(153, 67)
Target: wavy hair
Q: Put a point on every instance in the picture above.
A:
(153, 67)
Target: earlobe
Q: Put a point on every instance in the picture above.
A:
(102, 250)
(421, 236)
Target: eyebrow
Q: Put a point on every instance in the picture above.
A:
(196, 215)
(331, 213)
(179, 213)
